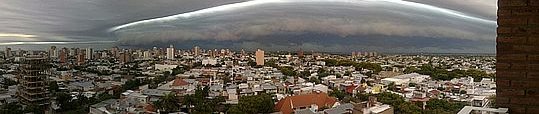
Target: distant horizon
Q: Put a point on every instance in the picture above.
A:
(108, 46)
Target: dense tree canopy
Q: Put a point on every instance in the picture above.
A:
(256, 104)
(11, 108)
(434, 106)
(288, 71)
(438, 73)
(201, 103)
(168, 103)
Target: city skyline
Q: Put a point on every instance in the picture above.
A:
(269, 56)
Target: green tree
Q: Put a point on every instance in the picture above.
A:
(304, 74)
(271, 63)
(463, 92)
(408, 108)
(201, 103)
(390, 98)
(53, 86)
(178, 70)
(347, 73)
(288, 71)
(251, 63)
(409, 70)
(391, 86)
(132, 84)
(11, 108)
(168, 103)
(338, 75)
(338, 94)
(34, 109)
(412, 84)
(314, 80)
(255, 104)
(64, 101)
(440, 104)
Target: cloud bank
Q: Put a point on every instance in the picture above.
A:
(270, 22)
(324, 25)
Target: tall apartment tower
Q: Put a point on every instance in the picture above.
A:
(259, 56)
(81, 59)
(33, 84)
(63, 55)
(89, 53)
(8, 53)
(300, 54)
(170, 52)
(196, 50)
(53, 53)
(517, 56)
(147, 55)
(114, 52)
(125, 57)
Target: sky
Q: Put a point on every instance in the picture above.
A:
(394, 26)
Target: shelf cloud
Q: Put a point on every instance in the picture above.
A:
(448, 26)
(340, 19)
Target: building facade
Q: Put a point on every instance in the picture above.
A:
(170, 52)
(259, 56)
(517, 68)
(33, 84)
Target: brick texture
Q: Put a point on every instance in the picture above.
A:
(518, 56)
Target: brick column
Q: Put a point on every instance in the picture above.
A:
(517, 76)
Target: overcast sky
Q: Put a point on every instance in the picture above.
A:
(443, 26)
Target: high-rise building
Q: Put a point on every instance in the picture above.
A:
(20, 53)
(53, 53)
(33, 85)
(147, 55)
(81, 58)
(77, 51)
(300, 53)
(89, 53)
(170, 52)
(114, 52)
(259, 56)
(104, 54)
(97, 55)
(7, 53)
(196, 50)
(63, 55)
(125, 57)
(73, 52)
(242, 52)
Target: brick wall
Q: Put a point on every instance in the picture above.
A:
(518, 56)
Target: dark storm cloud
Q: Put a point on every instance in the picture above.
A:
(84, 20)
(58, 21)
(352, 21)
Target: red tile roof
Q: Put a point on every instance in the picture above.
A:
(287, 105)
(350, 89)
(179, 82)
(420, 99)
(150, 108)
